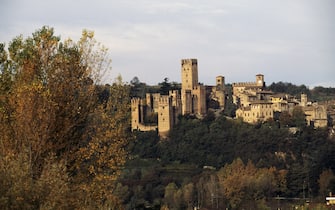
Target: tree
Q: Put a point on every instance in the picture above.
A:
(165, 86)
(242, 183)
(170, 198)
(51, 116)
(137, 88)
(100, 161)
(298, 117)
(285, 119)
(188, 194)
(324, 182)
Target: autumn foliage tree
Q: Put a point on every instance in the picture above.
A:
(53, 128)
(241, 183)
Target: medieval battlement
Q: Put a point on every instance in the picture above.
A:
(164, 100)
(245, 84)
(173, 92)
(136, 101)
(258, 83)
(189, 61)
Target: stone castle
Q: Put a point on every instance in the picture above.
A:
(254, 104)
(191, 99)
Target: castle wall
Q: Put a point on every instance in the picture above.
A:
(137, 116)
(199, 100)
(187, 103)
(176, 105)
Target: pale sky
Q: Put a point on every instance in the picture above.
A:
(286, 40)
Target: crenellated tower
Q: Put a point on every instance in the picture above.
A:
(165, 115)
(189, 74)
(136, 116)
(193, 95)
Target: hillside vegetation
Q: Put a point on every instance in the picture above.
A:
(202, 157)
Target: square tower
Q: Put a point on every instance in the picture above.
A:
(220, 83)
(260, 80)
(165, 115)
(189, 74)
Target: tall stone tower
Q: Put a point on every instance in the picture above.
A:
(136, 117)
(189, 80)
(165, 115)
(189, 74)
(220, 92)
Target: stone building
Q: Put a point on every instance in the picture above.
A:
(316, 115)
(282, 102)
(255, 108)
(256, 105)
(218, 92)
(253, 102)
(243, 90)
(192, 99)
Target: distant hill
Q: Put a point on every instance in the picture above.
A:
(316, 94)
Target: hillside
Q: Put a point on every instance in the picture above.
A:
(315, 94)
(298, 158)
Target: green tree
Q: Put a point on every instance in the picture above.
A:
(324, 182)
(285, 119)
(165, 86)
(298, 117)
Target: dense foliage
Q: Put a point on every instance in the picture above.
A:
(316, 94)
(227, 163)
(62, 136)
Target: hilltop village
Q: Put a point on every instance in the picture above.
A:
(254, 103)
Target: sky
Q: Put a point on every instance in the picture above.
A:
(285, 40)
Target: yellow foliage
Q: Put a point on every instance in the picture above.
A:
(52, 111)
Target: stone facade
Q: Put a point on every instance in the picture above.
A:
(242, 90)
(256, 105)
(316, 114)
